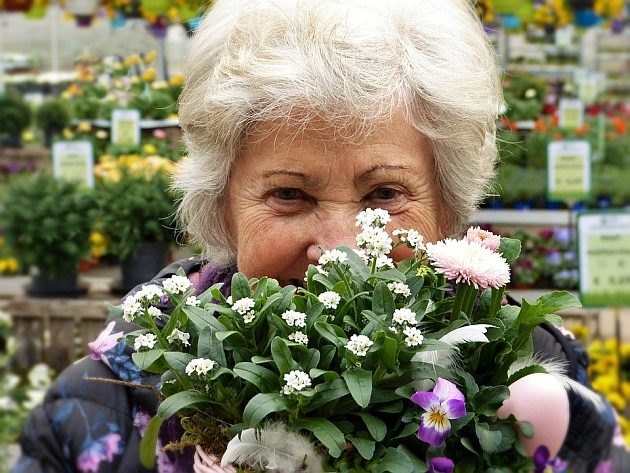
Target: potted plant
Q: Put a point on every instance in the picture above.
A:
(52, 117)
(135, 213)
(48, 224)
(15, 117)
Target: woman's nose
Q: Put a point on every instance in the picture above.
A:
(332, 233)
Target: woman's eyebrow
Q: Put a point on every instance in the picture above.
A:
(307, 181)
(371, 172)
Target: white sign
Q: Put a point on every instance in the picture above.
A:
(74, 160)
(564, 37)
(126, 127)
(589, 88)
(569, 170)
(571, 113)
(604, 258)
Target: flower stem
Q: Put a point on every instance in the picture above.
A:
(497, 298)
(469, 299)
(460, 295)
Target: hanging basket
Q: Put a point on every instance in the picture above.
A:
(18, 5)
(83, 11)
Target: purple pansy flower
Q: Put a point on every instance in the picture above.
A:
(441, 465)
(544, 464)
(443, 403)
(98, 451)
(604, 466)
(104, 342)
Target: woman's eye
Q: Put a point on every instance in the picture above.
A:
(288, 194)
(384, 193)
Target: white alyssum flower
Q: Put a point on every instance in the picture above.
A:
(330, 299)
(399, 288)
(130, 308)
(150, 293)
(372, 218)
(383, 261)
(177, 284)
(293, 318)
(228, 300)
(411, 237)
(245, 307)
(393, 328)
(200, 366)
(321, 270)
(299, 337)
(296, 381)
(404, 316)
(332, 256)
(154, 312)
(177, 334)
(414, 336)
(374, 241)
(5, 319)
(147, 340)
(40, 376)
(359, 344)
(193, 301)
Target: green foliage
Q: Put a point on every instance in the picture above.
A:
(48, 222)
(133, 210)
(15, 115)
(53, 115)
(357, 408)
(524, 96)
(155, 105)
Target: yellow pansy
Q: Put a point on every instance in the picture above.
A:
(132, 60)
(177, 80)
(616, 400)
(580, 331)
(11, 265)
(149, 148)
(150, 57)
(84, 127)
(67, 134)
(149, 74)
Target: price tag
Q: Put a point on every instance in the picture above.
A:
(564, 37)
(589, 88)
(569, 170)
(571, 113)
(74, 160)
(604, 258)
(126, 127)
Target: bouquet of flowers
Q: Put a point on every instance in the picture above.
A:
(373, 365)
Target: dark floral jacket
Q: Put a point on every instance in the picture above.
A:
(89, 424)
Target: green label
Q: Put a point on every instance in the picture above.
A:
(126, 132)
(74, 167)
(607, 270)
(568, 182)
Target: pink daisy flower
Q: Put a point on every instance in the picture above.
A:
(484, 237)
(469, 262)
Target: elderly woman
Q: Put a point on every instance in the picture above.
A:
(298, 114)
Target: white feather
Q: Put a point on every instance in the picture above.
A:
(273, 448)
(445, 357)
(557, 369)
(468, 333)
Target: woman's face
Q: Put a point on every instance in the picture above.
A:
(292, 192)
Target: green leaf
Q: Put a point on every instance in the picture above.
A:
(488, 439)
(179, 401)
(407, 430)
(333, 333)
(383, 299)
(327, 353)
(145, 359)
(418, 465)
(376, 427)
(265, 380)
(489, 399)
(148, 442)
(261, 405)
(327, 374)
(389, 275)
(356, 263)
(309, 359)
(282, 356)
(201, 319)
(359, 383)
(240, 287)
(526, 428)
(326, 432)
(510, 249)
(365, 447)
(389, 353)
(271, 300)
(233, 337)
(468, 445)
(525, 372)
(209, 346)
(393, 461)
(470, 383)
(327, 392)
(178, 361)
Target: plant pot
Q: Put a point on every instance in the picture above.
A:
(13, 141)
(49, 134)
(142, 265)
(61, 285)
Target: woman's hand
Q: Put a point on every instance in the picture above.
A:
(541, 400)
(206, 463)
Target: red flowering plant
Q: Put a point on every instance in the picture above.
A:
(373, 365)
